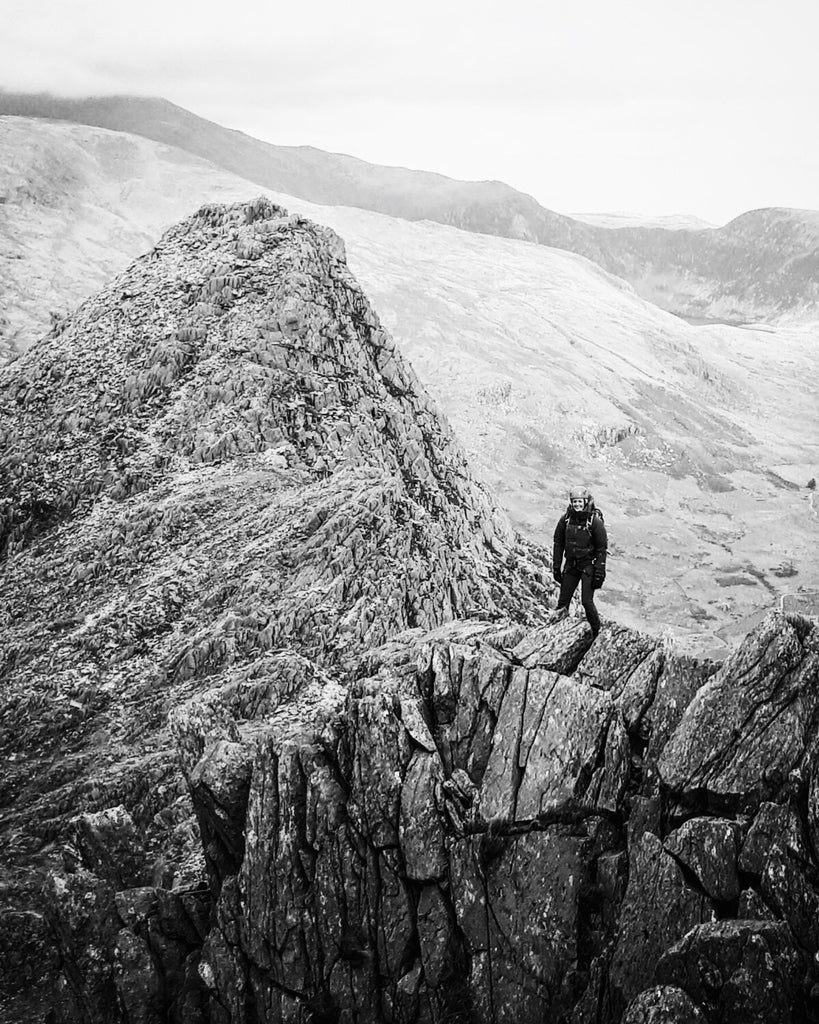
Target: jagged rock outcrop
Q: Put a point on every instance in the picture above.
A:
(290, 725)
(742, 753)
(217, 475)
(219, 459)
(437, 851)
(388, 872)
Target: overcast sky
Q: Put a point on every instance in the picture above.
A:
(707, 107)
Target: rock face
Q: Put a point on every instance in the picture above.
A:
(431, 852)
(739, 970)
(289, 724)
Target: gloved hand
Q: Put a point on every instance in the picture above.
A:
(558, 575)
(599, 577)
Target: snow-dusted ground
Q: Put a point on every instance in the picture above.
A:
(697, 441)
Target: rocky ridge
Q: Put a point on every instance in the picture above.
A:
(292, 733)
(219, 468)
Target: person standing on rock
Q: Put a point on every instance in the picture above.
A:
(580, 534)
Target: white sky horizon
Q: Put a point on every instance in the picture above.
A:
(701, 110)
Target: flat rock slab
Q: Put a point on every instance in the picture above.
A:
(610, 665)
(547, 740)
(557, 647)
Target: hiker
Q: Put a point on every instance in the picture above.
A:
(580, 534)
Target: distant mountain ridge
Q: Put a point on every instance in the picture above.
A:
(760, 266)
(625, 218)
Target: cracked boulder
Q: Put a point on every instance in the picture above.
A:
(110, 847)
(659, 908)
(680, 678)
(516, 903)
(611, 666)
(219, 788)
(789, 886)
(746, 971)
(83, 917)
(774, 824)
(555, 647)
(557, 743)
(749, 725)
(708, 847)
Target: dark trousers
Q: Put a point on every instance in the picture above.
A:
(571, 577)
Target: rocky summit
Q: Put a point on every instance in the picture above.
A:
(290, 730)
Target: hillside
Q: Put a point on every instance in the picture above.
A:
(620, 219)
(697, 441)
(77, 205)
(290, 731)
(758, 267)
(332, 179)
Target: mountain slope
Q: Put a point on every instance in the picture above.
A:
(77, 205)
(331, 178)
(219, 458)
(761, 268)
(697, 441)
(218, 471)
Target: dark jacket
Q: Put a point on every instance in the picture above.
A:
(581, 536)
